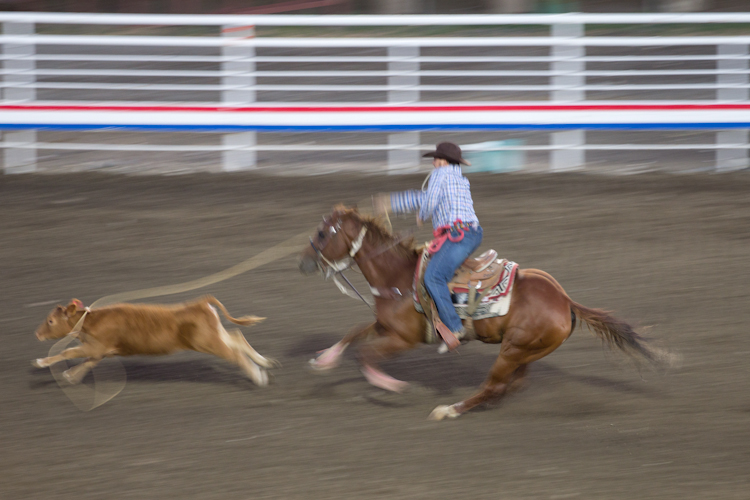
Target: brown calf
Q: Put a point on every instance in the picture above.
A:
(129, 329)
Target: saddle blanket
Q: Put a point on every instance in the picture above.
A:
(496, 302)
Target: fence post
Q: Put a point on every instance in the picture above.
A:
(19, 65)
(239, 62)
(730, 89)
(568, 67)
(403, 83)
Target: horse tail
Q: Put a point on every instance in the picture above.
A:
(618, 333)
(613, 331)
(244, 320)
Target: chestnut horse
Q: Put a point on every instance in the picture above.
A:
(540, 319)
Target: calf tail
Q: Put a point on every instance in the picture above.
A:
(244, 320)
(618, 333)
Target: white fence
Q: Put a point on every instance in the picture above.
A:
(588, 83)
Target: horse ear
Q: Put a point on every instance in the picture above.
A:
(339, 208)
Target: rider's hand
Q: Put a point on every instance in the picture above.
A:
(381, 203)
(420, 222)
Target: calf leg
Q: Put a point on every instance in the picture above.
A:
(256, 373)
(76, 374)
(82, 351)
(224, 346)
(254, 355)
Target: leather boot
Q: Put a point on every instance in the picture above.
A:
(462, 335)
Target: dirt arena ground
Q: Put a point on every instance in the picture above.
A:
(665, 251)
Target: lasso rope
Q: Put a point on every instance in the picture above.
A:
(105, 388)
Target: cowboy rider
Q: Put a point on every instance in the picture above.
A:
(447, 201)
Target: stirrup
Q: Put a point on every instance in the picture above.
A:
(442, 348)
(460, 336)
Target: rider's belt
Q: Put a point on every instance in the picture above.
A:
(444, 233)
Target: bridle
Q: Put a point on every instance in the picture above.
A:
(346, 262)
(335, 268)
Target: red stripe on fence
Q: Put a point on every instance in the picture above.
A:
(381, 108)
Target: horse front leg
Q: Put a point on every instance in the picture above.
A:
(377, 350)
(330, 358)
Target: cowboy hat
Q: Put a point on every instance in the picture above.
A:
(449, 152)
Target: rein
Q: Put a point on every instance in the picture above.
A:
(338, 267)
(407, 234)
(342, 265)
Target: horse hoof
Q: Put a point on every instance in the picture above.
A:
(398, 386)
(319, 367)
(444, 411)
(383, 381)
(328, 358)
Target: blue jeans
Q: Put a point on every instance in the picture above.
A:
(440, 271)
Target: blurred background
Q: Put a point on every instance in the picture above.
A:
(86, 96)
(374, 6)
(679, 86)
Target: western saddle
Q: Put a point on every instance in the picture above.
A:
(476, 276)
(479, 273)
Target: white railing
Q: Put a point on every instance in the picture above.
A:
(237, 76)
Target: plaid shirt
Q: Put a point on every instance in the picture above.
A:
(447, 198)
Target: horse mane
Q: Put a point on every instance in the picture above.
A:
(377, 230)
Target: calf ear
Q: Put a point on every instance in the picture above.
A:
(74, 306)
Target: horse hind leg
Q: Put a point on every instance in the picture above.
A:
(518, 379)
(507, 374)
(495, 386)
